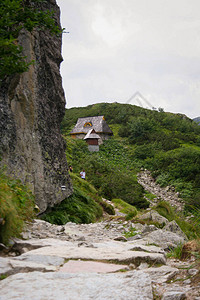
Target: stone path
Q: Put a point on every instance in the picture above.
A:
(167, 193)
(93, 261)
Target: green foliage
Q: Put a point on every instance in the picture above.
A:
(176, 252)
(192, 229)
(108, 208)
(16, 206)
(130, 233)
(112, 170)
(107, 171)
(15, 16)
(125, 208)
(150, 196)
(81, 207)
(140, 129)
(165, 143)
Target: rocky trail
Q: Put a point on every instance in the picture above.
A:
(167, 193)
(111, 259)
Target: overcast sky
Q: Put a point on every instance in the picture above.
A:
(115, 48)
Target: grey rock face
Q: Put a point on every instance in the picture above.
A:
(32, 106)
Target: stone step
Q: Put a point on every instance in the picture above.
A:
(134, 285)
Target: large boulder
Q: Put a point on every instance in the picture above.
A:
(164, 239)
(173, 227)
(155, 217)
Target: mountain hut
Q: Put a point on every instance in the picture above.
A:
(92, 139)
(98, 123)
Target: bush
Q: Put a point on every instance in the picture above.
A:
(16, 206)
(78, 208)
(83, 206)
(108, 208)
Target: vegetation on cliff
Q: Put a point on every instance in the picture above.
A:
(16, 206)
(15, 16)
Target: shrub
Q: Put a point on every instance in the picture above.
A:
(83, 206)
(107, 208)
(16, 206)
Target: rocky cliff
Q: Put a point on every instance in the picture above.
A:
(32, 106)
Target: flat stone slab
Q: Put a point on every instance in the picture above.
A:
(161, 274)
(79, 266)
(41, 259)
(110, 254)
(10, 266)
(133, 285)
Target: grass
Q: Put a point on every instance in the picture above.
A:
(83, 206)
(192, 230)
(176, 252)
(16, 206)
(3, 276)
(125, 208)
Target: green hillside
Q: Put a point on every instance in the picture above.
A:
(167, 144)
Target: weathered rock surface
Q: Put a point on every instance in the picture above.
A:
(32, 106)
(173, 227)
(110, 252)
(132, 286)
(83, 261)
(164, 239)
(154, 216)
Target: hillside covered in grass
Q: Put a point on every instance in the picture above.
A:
(167, 144)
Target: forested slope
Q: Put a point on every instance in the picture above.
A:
(167, 144)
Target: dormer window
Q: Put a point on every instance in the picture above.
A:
(88, 124)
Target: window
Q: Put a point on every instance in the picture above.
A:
(88, 124)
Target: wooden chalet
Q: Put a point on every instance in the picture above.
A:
(98, 123)
(92, 139)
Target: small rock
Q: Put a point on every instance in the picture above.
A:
(187, 282)
(120, 238)
(192, 272)
(143, 266)
(173, 295)
(149, 228)
(155, 217)
(81, 238)
(164, 239)
(135, 237)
